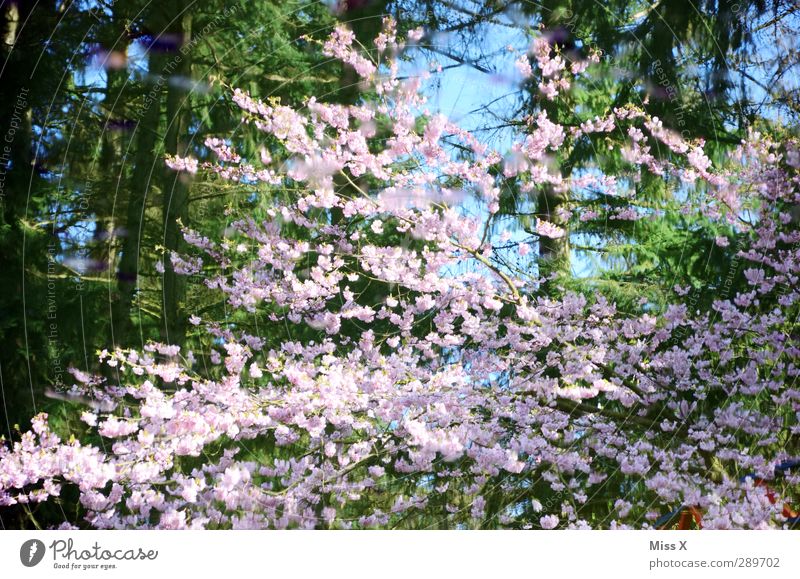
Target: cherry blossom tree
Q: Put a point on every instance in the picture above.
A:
(411, 374)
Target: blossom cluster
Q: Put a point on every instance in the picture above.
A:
(440, 388)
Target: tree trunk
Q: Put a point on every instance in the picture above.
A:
(176, 194)
(553, 253)
(107, 170)
(146, 136)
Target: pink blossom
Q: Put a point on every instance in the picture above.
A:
(548, 522)
(524, 66)
(547, 229)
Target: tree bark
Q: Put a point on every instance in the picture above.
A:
(176, 193)
(146, 135)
